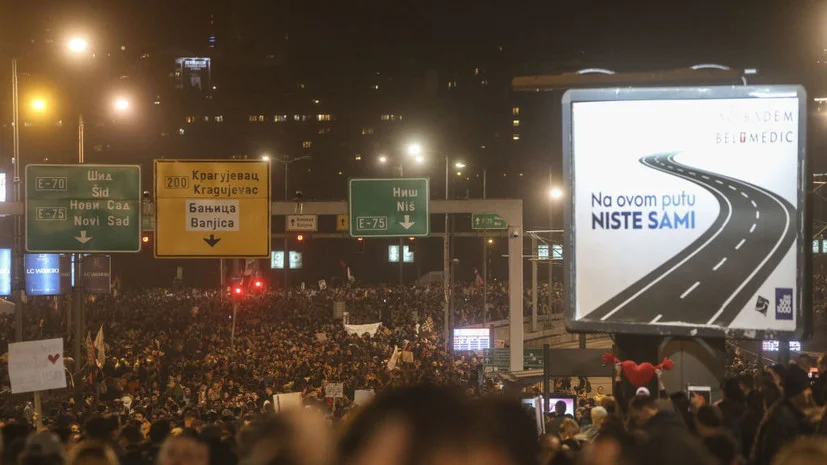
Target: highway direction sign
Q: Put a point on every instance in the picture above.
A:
(212, 209)
(701, 193)
(83, 208)
(301, 223)
(487, 221)
(390, 207)
(341, 223)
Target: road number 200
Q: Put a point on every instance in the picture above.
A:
(177, 182)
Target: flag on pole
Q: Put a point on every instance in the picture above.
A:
(90, 350)
(99, 347)
(428, 326)
(477, 278)
(394, 358)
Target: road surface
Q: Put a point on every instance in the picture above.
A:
(714, 278)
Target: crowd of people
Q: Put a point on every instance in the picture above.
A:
(177, 386)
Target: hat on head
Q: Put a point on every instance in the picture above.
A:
(795, 381)
(642, 391)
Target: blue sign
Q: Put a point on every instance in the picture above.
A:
(5, 271)
(42, 274)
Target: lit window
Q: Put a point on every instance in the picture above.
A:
(515, 123)
(307, 144)
(340, 173)
(452, 84)
(189, 119)
(484, 83)
(515, 137)
(300, 85)
(375, 87)
(386, 117)
(219, 119)
(180, 131)
(260, 118)
(323, 131)
(206, 119)
(357, 158)
(297, 117)
(252, 118)
(60, 123)
(280, 118)
(322, 117)
(27, 124)
(476, 71)
(367, 131)
(515, 111)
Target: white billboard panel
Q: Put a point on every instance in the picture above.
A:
(700, 191)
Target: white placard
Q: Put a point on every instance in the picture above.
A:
(363, 397)
(334, 390)
(212, 215)
(685, 208)
(36, 365)
(287, 401)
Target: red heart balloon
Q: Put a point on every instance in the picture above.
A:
(638, 375)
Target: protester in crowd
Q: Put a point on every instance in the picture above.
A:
(803, 451)
(786, 420)
(598, 416)
(723, 448)
(820, 384)
(92, 453)
(644, 412)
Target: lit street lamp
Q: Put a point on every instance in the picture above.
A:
(383, 159)
(39, 105)
(121, 105)
(265, 157)
(555, 193)
(77, 45)
(414, 149)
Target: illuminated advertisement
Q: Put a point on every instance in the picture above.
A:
(42, 274)
(701, 192)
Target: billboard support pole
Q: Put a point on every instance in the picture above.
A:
(546, 379)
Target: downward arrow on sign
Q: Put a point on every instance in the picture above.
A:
(82, 238)
(212, 240)
(407, 223)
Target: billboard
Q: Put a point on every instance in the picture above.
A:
(42, 273)
(192, 73)
(97, 272)
(5, 272)
(701, 192)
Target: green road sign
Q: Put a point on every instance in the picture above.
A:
(83, 208)
(390, 207)
(487, 221)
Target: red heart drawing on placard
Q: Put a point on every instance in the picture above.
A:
(54, 358)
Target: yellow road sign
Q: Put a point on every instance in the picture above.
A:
(341, 223)
(212, 209)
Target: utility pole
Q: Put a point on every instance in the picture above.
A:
(446, 272)
(18, 273)
(484, 258)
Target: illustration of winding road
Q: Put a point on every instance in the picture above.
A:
(713, 279)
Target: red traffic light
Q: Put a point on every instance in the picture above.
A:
(258, 283)
(238, 291)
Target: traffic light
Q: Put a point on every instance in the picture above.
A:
(299, 238)
(258, 284)
(146, 240)
(237, 291)
(412, 244)
(360, 245)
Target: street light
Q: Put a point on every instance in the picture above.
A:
(121, 105)
(265, 157)
(39, 105)
(420, 159)
(383, 159)
(459, 164)
(77, 45)
(414, 149)
(555, 193)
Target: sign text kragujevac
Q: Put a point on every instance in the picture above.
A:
(225, 177)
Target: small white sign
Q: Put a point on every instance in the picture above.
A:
(212, 215)
(302, 223)
(334, 390)
(36, 365)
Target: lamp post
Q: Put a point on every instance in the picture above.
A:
(286, 161)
